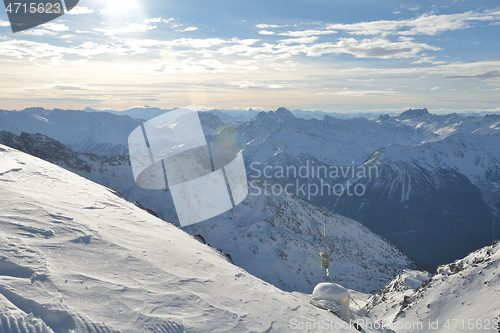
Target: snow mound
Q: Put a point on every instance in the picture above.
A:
(330, 292)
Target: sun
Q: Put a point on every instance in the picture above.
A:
(122, 10)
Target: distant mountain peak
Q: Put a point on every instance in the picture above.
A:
(284, 111)
(384, 117)
(34, 110)
(414, 113)
(89, 109)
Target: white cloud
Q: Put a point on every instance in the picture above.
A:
(307, 33)
(348, 92)
(448, 71)
(188, 29)
(206, 66)
(144, 45)
(32, 50)
(377, 47)
(4, 24)
(38, 32)
(248, 41)
(302, 40)
(266, 26)
(131, 28)
(55, 27)
(266, 32)
(253, 84)
(366, 48)
(46, 29)
(79, 10)
(435, 88)
(428, 60)
(425, 24)
(198, 43)
(158, 20)
(371, 48)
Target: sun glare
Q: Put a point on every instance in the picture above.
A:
(118, 10)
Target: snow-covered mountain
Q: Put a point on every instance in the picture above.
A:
(89, 131)
(276, 238)
(463, 296)
(436, 200)
(273, 137)
(100, 133)
(75, 257)
(435, 189)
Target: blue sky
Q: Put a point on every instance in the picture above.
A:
(341, 56)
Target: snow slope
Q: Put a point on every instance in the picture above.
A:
(278, 238)
(75, 257)
(461, 297)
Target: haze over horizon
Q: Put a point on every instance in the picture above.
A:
(351, 56)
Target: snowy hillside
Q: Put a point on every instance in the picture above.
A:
(276, 238)
(461, 297)
(74, 257)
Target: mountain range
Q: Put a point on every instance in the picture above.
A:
(433, 192)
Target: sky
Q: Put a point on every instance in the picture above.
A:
(331, 55)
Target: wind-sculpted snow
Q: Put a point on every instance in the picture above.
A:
(16, 321)
(75, 257)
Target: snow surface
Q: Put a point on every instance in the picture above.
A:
(75, 257)
(461, 297)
